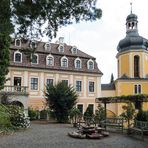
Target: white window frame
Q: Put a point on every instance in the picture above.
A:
(82, 105)
(72, 50)
(50, 79)
(61, 45)
(93, 106)
(34, 43)
(16, 42)
(88, 64)
(17, 52)
(76, 86)
(137, 87)
(50, 56)
(47, 48)
(37, 84)
(64, 57)
(89, 89)
(75, 62)
(37, 59)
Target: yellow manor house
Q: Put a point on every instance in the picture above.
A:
(54, 62)
(50, 64)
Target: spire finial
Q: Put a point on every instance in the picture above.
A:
(131, 7)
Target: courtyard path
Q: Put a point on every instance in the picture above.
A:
(55, 136)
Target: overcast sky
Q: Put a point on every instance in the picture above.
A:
(100, 38)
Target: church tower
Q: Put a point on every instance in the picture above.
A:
(132, 61)
(132, 53)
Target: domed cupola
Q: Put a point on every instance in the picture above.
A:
(132, 39)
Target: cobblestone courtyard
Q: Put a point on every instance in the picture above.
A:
(55, 136)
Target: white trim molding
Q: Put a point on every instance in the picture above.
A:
(75, 63)
(17, 52)
(88, 64)
(47, 58)
(64, 58)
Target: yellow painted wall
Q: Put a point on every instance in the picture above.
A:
(124, 65)
(146, 63)
(125, 87)
(110, 93)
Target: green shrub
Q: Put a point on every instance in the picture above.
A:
(17, 117)
(88, 115)
(75, 115)
(33, 114)
(4, 118)
(142, 115)
(12, 117)
(100, 114)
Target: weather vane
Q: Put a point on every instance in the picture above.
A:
(131, 6)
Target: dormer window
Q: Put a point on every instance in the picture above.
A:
(17, 42)
(78, 63)
(50, 60)
(34, 59)
(61, 48)
(18, 57)
(64, 62)
(74, 50)
(90, 64)
(33, 44)
(47, 46)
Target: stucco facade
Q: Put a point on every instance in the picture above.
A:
(79, 70)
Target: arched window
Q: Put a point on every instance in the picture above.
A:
(61, 48)
(136, 66)
(48, 46)
(74, 50)
(90, 64)
(33, 44)
(17, 57)
(137, 89)
(34, 59)
(50, 60)
(64, 62)
(77, 63)
(17, 42)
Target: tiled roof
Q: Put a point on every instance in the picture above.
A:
(42, 54)
(54, 49)
(110, 86)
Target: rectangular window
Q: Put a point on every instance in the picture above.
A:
(49, 82)
(34, 59)
(65, 81)
(17, 83)
(78, 86)
(91, 107)
(137, 89)
(80, 107)
(91, 86)
(34, 83)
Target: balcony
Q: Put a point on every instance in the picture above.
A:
(14, 90)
